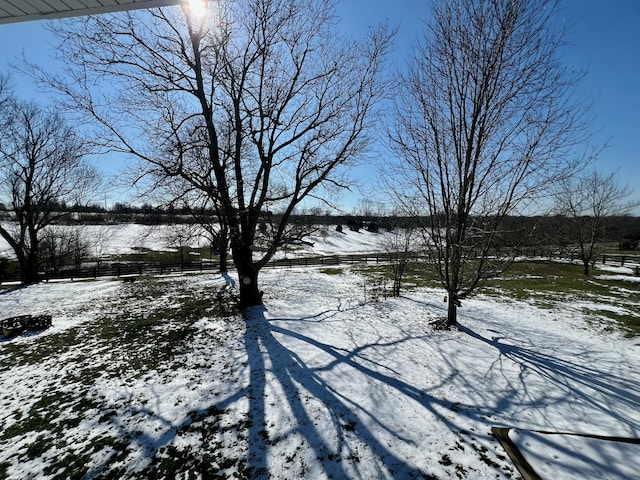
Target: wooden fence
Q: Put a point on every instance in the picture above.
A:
(118, 270)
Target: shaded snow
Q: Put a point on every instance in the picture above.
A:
(578, 457)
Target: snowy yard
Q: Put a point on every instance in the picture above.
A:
(147, 380)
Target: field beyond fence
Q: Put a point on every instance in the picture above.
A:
(129, 269)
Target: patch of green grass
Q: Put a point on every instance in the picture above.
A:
(158, 257)
(161, 329)
(421, 275)
(24, 354)
(74, 465)
(628, 322)
(416, 275)
(32, 422)
(45, 416)
(546, 284)
(613, 248)
(181, 461)
(528, 279)
(332, 271)
(550, 285)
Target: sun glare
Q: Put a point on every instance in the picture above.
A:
(197, 8)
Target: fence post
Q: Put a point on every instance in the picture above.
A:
(622, 261)
(604, 258)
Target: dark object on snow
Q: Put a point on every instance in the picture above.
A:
(13, 326)
(339, 228)
(354, 225)
(524, 468)
(129, 279)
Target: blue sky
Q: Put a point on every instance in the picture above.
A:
(604, 41)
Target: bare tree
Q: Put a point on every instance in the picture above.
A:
(78, 246)
(63, 246)
(217, 230)
(487, 119)
(100, 236)
(42, 166)
(5, 94)
(181, 237)
(259, 105)
(402, 244)
(585, 203)
(205, 212)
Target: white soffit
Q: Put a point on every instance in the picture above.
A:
(12, 11)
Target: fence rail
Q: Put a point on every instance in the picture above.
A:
(118, 270)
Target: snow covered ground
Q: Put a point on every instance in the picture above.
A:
(124, 238)
(145, 380)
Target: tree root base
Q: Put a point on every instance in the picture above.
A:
(441, 324)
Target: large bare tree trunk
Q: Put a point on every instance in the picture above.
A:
(250, 294)
(223, 252)
(452, 311)
(29, 270)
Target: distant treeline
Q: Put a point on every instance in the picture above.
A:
(521, 230)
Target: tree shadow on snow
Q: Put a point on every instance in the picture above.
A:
(7, 290)
(571, 380)
(274, 366)
(587, 382)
